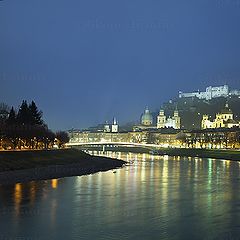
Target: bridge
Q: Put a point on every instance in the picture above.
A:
(112, 144)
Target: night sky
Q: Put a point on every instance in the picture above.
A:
(85, 61)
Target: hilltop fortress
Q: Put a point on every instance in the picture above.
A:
(211, 92)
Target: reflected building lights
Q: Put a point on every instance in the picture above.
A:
(32, 192)
(79, 182)
(99, 182)
(162, 178)
(17, 197)
(209, 183)
(54, 183)
(119, 155)
(53, 212)
(228, 163)
(143, 171)
(165, 157)
(164, 183)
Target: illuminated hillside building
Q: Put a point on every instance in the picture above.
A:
(224, 119)
(211, 92)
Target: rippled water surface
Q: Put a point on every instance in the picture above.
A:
(151, 198)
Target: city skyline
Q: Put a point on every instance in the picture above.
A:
(119, 120)
(85, 64)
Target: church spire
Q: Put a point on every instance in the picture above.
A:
(114, 121)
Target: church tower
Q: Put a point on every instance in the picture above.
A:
(106, 127)
(205, 120)
(177, 119)
(114, 126)
(161, 119)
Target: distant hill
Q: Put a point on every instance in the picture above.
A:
(191, 110)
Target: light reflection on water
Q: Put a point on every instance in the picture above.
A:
(153, 197)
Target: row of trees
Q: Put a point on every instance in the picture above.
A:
(26, 115)
(25, 129)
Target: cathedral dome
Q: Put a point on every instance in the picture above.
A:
(146, 118)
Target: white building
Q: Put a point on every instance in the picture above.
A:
(234, 93)
(114, 127)
(164, 122)
(211, 92)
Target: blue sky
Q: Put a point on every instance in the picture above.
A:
(85, 61)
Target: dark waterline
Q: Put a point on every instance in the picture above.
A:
(152, 198)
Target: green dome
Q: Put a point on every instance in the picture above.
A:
(146, 118)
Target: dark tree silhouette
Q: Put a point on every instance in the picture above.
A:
(4, 111)
(25, 129)
(36, 115)
(23, 116)
(12, 117)
(62, 138)
(29, 114)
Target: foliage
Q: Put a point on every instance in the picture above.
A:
(35, 114)
(12, 117)
(29, 114)
(62, 138)
(25, 129)
(4, 111)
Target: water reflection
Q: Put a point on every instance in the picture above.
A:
(153, 197)
(17, 197)
(54, 183)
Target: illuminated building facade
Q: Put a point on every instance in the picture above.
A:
(211, 92)
(147, 118)
(146, 121)
(170, 122)
(165, 138)
(224, 119)
(220, 138)
(114, 126)
(111, 127)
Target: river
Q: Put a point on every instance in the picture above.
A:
(152, 198)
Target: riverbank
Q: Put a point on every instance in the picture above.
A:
(227, 154)
(24, 166)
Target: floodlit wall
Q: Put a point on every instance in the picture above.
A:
(211, 92)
